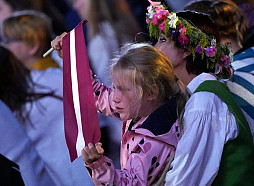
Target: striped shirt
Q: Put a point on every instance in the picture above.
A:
(242, 85)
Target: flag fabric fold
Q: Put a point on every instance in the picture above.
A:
(81, 122)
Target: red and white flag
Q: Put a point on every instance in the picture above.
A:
(81, 123)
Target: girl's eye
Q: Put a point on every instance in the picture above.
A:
(122, 89)
(162, 39)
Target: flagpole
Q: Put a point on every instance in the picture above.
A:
(51, 49)
(48, 52)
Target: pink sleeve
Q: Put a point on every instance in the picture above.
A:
(103, 98)
(142, 167)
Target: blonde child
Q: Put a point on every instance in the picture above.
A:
(27, 34)
(148, 98)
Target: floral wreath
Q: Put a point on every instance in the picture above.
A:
(187, 36)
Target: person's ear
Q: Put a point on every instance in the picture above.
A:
(33, 49)
(153, 94)
(186, 53)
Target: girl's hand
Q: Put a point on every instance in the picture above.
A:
(56, 44)
(92, 153)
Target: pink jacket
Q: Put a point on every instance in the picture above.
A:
(147, 146)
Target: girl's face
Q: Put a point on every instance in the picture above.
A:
(166, 46)
(126, 100)
(82, 7)
(19, 48)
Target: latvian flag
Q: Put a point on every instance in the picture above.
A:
(80, 115)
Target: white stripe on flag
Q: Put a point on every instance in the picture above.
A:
(74, 79)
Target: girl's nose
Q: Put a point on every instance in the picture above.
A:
(116, 97)
(157, 46)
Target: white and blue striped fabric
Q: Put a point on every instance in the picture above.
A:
(242, 85)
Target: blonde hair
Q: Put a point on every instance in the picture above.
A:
(29, 26)
(148, 69)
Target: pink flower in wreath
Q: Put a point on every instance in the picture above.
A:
(182, 30)
(224, 59)
(160, 13)
(184, 40)
(180, 26)
(154, 3)
(154, 20)
(199, 49)
(159, 9)
(210, 52)
(162, 26)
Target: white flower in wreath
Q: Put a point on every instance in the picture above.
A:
(150, 12)
(213, 42)
(173, 20)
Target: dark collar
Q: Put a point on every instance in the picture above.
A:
(162, 119)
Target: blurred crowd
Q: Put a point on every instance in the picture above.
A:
(31, 86)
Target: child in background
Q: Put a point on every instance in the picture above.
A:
(27, 34)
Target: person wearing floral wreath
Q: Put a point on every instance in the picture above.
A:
(233, 27)
(216, 146)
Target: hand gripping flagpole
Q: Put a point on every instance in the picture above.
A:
(81, 122)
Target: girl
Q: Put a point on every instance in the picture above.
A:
(215, 138)
(110, 24)
(148, 98)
